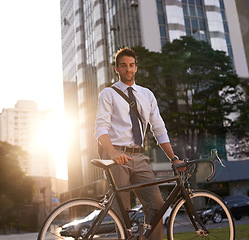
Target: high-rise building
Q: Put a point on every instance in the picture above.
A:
(20, 126)
(93, 30)
(243, 13)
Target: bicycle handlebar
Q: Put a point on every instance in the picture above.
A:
(210, 159)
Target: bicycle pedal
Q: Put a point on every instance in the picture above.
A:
(147, 226)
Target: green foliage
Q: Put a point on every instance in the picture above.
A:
(16, 188)
(241, 233)
(241, 126)
(196, 90)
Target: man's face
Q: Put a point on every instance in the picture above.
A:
(126, 69)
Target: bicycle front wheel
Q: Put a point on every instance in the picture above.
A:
(72, 220)
(213, 212)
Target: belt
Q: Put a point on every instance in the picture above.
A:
(130, 149)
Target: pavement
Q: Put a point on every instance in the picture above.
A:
(33, 236)
(21, 236)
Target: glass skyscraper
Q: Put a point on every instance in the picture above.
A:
(93, 30)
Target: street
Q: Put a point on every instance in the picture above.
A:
(33, 236)
(23, 236)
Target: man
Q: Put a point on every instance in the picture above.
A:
(121, 135)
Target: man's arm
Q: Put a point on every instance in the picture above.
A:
(166, 147)
(119, 158)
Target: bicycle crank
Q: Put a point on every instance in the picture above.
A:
(201, 232)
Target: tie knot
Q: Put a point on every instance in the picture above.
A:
(130, 94)
(130, 89)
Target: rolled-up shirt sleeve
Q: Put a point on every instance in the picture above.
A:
(157, 124)
(103, 119)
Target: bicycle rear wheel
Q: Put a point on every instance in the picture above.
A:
(212, 210)
(72, 219)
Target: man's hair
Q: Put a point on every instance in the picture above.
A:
(125, 52)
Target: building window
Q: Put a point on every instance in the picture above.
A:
(227, 37)
(195, 23)
(162, 22)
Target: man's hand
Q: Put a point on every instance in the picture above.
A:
(178, 161)
(120, 158)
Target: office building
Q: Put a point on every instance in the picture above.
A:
(92, 31)
(20, 126)
(243, 13)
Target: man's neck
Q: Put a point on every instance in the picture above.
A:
(129, 83)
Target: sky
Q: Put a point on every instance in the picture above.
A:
(30, 54)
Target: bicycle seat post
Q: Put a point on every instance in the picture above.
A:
(110, 178)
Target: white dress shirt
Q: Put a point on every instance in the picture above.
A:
(113, 116)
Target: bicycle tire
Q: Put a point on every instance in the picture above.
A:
(72, 219)
(210, 208)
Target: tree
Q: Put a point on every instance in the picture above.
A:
(240, 128)
(196, 90)
(16, 187)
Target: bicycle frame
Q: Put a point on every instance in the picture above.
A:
(179, 189)
(191, 210)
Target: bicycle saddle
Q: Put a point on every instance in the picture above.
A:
(102, 163)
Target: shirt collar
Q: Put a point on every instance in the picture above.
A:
(124, 86)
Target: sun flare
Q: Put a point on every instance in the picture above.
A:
(52, 136)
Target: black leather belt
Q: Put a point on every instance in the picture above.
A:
(130, 149)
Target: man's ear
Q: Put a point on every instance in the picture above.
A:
(116, 69)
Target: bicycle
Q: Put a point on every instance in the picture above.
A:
(199, 214)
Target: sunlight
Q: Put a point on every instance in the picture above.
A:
(52, 136)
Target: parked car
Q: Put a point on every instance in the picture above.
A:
(139, 217)
(166, 216)
(80, 227)
(239, 206)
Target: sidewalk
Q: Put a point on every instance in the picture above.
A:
(21, 236)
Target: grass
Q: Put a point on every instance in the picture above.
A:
(241, 233)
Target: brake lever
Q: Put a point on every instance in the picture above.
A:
(219, 160)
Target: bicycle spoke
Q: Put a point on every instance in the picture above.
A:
(212, 211)
(73, 220)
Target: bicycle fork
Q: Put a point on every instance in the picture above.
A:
(193, 215)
